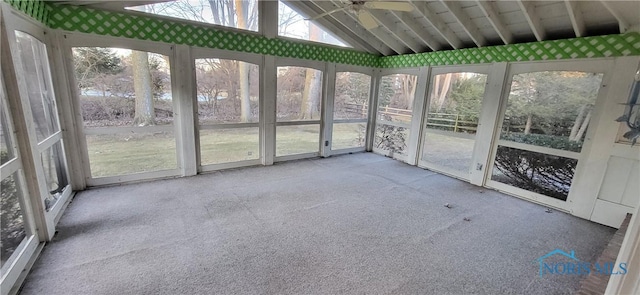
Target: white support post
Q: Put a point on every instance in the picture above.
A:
(268, 91)
(268, 18)
(326, 127)
(489, 120)
(419, 99)
(373, 109)
(184, 122)
(67, 110)
(596, 150)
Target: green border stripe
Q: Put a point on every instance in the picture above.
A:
(587, 47)
(118, 24)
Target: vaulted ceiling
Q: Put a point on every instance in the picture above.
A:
(443, 25)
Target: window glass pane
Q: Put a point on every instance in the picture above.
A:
(630, 116)
(551, 109)
(452, 120)
(229, 145)
(236, 14)
(395, 98)
(395, 102)
(35, 71)
(299, 94)
(13, 224)
(122, 87)
(129, 153)
(537, 172)
(228, 91)
(293, 24)
(6, 146)
(352, 96)
(391, 138)
(348, 135)
(55, 173)
(292, 140)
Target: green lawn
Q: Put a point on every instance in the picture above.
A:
(111, 155)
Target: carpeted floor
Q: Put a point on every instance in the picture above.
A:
(359, 223)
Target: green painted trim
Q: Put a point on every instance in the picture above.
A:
(87, 20)
(118, 24)
(587, 47)
(36, 9)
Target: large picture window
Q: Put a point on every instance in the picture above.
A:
(299, 100)
(350, 110)
(228, 97)
(127, 110)
(545, 122)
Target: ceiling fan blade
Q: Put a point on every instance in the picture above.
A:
(367, 20)
(326, 13)
(388, 5)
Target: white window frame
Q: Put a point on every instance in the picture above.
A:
(316, 65)
(422, 163)
(12, 271)
(416, 113)
(603, 66)
(73, 39)
(330, 107)
(38, 187)
(255, 59)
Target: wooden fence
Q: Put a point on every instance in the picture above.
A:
(444, 121)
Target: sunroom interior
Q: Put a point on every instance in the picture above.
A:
(248, 146)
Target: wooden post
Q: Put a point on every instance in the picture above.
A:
(455, 126)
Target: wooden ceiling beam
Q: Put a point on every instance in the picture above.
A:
(333, 26)
(529, 10)
(350, 22)
(622, 23)
(575, 15)
(426, 38)
(399, 32)
(491, 12)
(438, 24)
(467, 24)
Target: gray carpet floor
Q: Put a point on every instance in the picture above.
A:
(358, 223)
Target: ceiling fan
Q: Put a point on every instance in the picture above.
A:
(361, 9)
